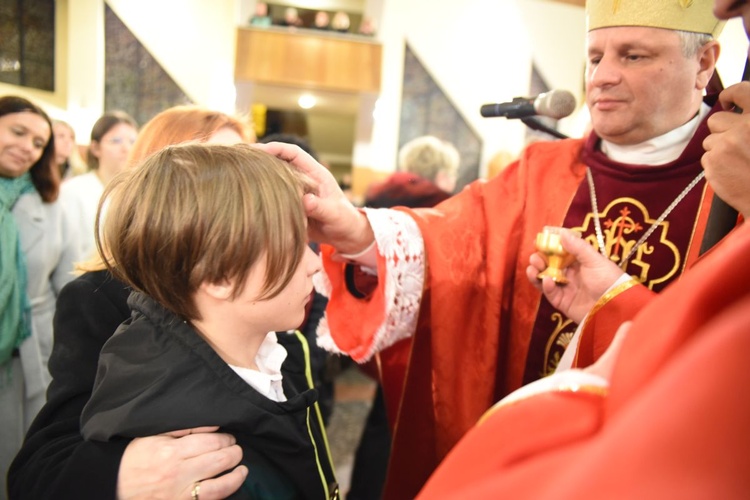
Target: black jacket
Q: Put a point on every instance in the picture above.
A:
(54, 461)
(157, 374)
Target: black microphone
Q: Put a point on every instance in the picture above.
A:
(554, 104)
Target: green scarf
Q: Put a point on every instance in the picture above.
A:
(15, 309)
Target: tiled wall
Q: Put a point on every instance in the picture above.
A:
(426, 110)
(27, 44)
(134, 81)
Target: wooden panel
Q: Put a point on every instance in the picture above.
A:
(301, 58)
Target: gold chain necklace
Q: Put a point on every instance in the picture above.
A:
(657, 222)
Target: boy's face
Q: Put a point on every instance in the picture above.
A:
(285, 311)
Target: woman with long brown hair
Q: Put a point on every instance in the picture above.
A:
(36, 258)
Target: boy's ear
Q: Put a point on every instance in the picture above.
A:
(218, 291)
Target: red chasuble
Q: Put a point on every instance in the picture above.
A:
(482, 329)
(630, 200)
(673, 424)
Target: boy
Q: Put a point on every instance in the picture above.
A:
(213, 241)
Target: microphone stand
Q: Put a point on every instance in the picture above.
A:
(535, 124)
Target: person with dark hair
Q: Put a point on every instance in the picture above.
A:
(295, 139)
(36, 260)
(112, 137)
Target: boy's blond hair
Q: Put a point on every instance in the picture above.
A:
(201, 213)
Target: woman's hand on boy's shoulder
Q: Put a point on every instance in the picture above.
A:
(177, 464)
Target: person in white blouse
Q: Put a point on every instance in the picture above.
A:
(112, 137)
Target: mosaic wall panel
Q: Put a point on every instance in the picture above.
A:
(27, 43)
(426, 110)
(134, 81)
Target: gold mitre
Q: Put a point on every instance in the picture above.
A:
(682, 15)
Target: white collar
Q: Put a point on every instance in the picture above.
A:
(658, 150)
(267, 378)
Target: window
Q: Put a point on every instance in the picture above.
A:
(27, 51)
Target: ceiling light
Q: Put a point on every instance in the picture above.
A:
(306, 101)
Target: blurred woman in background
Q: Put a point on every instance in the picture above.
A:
(67, 158)
(112, 137)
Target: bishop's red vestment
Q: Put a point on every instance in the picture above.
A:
(483, 330)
